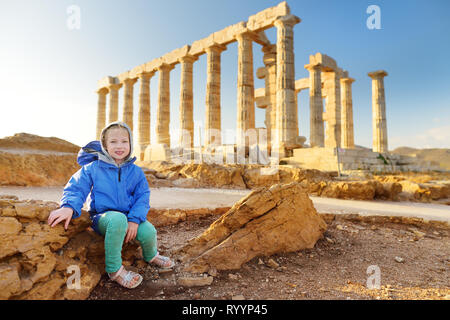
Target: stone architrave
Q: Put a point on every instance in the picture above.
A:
(379, 127)
(332, 92)
(127, 115)
(187, 102)
(315, 106)
(143, 115)
(163, 110)
(347, 135)
(114, 102)
(245, 89)
(287, 122)
(213, 112)
(101, 111)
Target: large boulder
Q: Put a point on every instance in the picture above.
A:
(269, 220)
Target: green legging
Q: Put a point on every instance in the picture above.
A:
(113, 226)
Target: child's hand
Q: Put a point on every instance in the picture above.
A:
(131, 231)
(58, 215)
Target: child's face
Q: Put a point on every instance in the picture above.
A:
(118, 144)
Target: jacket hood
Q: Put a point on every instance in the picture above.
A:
(96, 150)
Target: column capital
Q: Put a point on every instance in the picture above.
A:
(310, 67)
(245, 33)
(377, 74)
(216, 48)
(102, 91)
(289, 20)
(145, 75)
(165, 67)
(129, 81)
(187, 58)
(347, 80)
(115, 86)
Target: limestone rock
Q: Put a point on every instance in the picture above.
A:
(195, 281)
(269, 220)
(36, 169)
(254, 178)
(35, 258)
(425, 192)
(388, 190)
(35, 142)
(357, 190)
(215, 175)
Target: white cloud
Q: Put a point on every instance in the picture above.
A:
(438, 137)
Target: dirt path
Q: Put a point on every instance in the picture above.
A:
(214, 198)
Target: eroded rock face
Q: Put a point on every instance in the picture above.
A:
(269, 220)
(41, 262)
(30, 169)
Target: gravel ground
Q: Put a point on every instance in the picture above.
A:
(412, 263)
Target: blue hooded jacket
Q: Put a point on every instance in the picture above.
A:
(122, 188)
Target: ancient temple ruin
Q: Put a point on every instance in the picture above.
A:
(331, 131)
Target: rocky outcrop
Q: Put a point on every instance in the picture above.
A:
(40, 262)
(269, 220)
(30, 141)
(425, 192)
(33, 169)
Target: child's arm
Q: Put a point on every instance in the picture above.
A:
(139, 210)
(74, 195)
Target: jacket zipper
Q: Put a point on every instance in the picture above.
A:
(119, 174)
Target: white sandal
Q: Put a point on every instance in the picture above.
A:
(126, 278)
(162, 261)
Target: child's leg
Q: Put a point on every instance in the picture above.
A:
(113, 225)
(146, 235)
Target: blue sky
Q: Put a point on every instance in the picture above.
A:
(50, 72)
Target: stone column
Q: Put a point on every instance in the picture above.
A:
(315, 106)
(270, 62)
(287, 123)
(347, 135)
(114, 102)
(163, 110)
(187, 102)
(127, 115)
(101, 111)
(213, 114)
(143, 115)
(245, 89)
(332, 91)
(380, 141)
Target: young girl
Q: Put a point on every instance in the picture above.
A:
(119, 201)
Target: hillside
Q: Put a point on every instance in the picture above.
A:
(441, 156)
(35, 142)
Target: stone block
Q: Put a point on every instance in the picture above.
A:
(173, 56)
(153, 65)
(265, 19)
